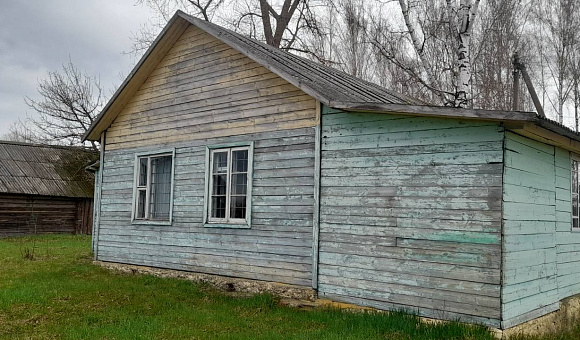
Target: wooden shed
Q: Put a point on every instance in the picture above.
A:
(45, 189)
(225, 156)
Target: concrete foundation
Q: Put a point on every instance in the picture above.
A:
(230, 284)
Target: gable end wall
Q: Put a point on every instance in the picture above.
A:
(205, 93)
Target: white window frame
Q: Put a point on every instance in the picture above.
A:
(573, 159)
(227, 222)
(147, 188)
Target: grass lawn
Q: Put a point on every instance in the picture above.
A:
(59, 294)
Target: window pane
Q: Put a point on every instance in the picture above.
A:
(219, 184)
(240, 161)
(574, 205)
(142, 172)
(160, 187)
(141, 204)
(575, 166)
(238, 207)
(218, 207)
(239, 184)
(575, 222)
(220, 162)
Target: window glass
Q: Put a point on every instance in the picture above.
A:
(229, 184)
(143, 171)
(154, 183)
(141, 204)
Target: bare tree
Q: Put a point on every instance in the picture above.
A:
(21, 131)
(68, 106)
(558, 32)
(498, 35)
(283, 24)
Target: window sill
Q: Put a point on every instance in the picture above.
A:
(226, 225)
(149, 222)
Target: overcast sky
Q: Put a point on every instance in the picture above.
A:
(39, 36)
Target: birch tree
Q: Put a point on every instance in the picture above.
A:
(453, 28)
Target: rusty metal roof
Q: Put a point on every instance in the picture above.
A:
(46, 170)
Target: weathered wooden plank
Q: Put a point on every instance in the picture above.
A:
(530, 315)
(224, 271)
(405, 292)
(427, 255)
(451, 203)
(418, 232)
(400, 139)
(425, 302)
(425, 312)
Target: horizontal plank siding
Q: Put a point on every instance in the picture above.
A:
(31, 215)
(410, 214)
(204, 93)
(530, 283)
(567, 242)
(208, 90)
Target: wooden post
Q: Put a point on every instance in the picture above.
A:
(516, 88)
(97, 202)
(520, 66)
(316, 213)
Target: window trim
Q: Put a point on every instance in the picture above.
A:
(232, 223)
(157, 153)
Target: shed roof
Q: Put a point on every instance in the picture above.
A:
(46, 170)
(329, 86)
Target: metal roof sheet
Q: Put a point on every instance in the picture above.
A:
(45, 170)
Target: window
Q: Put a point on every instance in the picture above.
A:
(229, 186)
(575, 208)
(153, 188)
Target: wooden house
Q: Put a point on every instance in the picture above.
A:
(222, 155)
(45, 189)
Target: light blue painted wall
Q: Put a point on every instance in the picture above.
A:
(530, 286)
(411, 214)
(567, 242)
(541, 253)
(277, 247)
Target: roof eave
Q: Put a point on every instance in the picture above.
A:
(438, 111)
(94, 131)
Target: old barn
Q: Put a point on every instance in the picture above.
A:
(45, 189)
(222, 155)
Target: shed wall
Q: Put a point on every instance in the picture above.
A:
(567, 242)
(31, 215)
(541, 253)
(410, 214)
(205, 93)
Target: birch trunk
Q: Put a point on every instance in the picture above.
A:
(466, 16)
(418, 47)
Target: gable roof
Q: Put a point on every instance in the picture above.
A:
(47, 170)
(329, 86)
(323, 83)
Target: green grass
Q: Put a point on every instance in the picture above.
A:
(60, 294)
